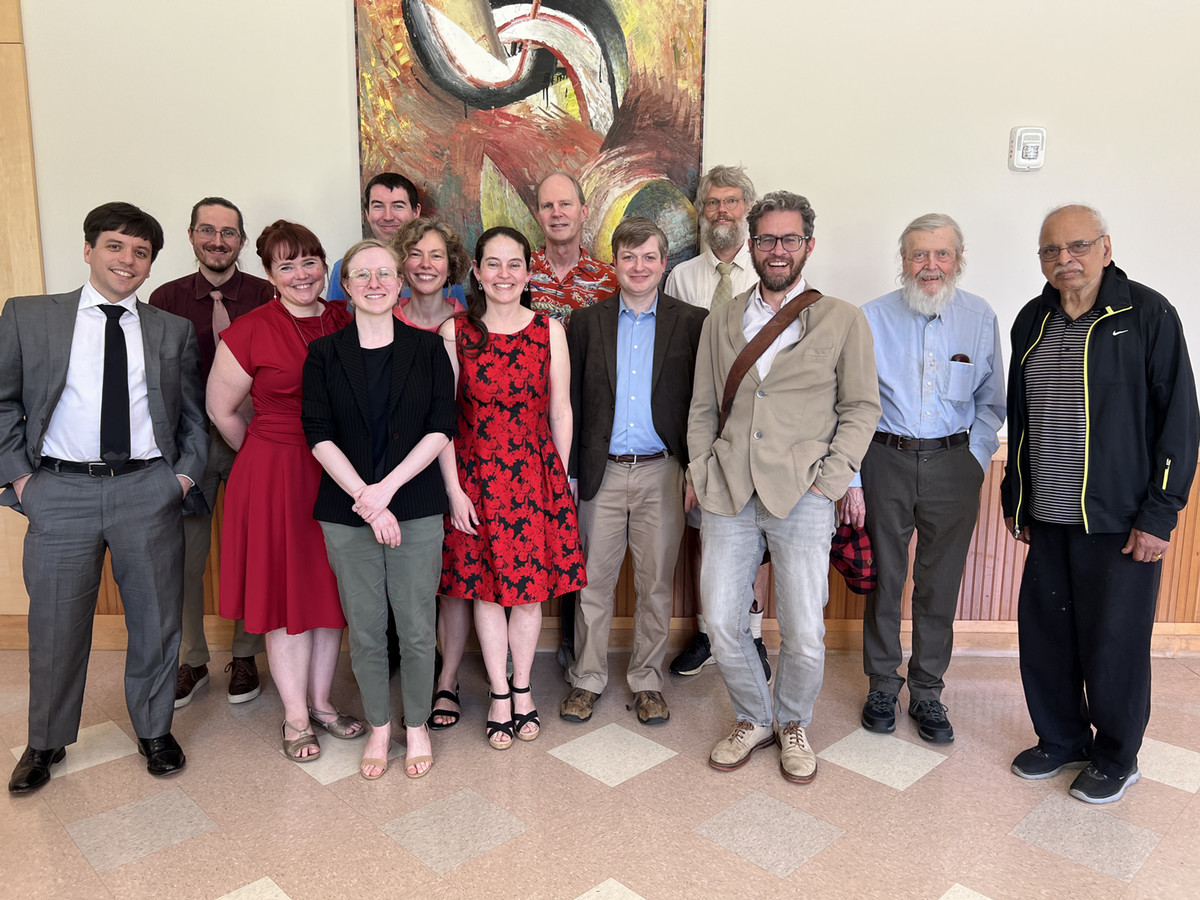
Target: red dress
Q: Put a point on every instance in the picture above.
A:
(527, 548)
(274, 569)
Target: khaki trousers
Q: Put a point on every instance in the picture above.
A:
(639, 507)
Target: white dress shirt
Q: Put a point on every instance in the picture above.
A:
(74, 430)
(695, 281)
(758, 314)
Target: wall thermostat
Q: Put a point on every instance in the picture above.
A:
(1026, 148)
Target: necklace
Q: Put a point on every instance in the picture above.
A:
(299, 333)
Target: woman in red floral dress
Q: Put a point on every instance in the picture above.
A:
(512, 539)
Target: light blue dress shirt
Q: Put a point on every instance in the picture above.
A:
(633, 423)
(924, 393)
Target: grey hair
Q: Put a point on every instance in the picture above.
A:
(932, 222)
(726, 177)
(1091, 211)
(782, 201)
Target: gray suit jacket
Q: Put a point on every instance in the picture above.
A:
(35, 349)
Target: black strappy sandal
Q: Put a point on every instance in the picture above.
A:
(452, 696)
(522, 719)
(495, 728)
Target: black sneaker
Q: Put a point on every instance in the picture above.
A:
(1035, 764)
(932, 724)
(879, 712)
(762, 654)
(1091, 786)
(694, 658)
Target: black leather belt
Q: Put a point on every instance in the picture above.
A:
(632, 459)
(95, 469)
(907, 443)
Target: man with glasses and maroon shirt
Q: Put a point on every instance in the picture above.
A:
(210, 298)
(1103, 436)
(785, 402)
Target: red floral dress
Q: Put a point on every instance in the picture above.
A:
(527, 548)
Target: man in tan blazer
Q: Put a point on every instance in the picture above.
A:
(800, 423)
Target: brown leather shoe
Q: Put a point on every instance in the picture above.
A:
(243, 679)
(651, 707)
(578, 705)
(187, 680)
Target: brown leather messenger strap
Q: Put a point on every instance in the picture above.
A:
(754, 349)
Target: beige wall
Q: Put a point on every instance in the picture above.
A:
(164, 103)
(881, 111)
(877, 111)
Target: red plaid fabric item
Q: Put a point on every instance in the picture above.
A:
(850, 553)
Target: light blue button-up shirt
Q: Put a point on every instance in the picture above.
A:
(633, 423)
(924, 393)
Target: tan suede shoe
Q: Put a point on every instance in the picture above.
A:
(797, 761)
(735, 751)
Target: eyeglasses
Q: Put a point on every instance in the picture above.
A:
(727, 202)
(230, 234)
(922, 256)
(791, 242)
(1050, 253)
(383, 275)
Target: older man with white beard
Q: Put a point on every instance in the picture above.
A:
(941, 385)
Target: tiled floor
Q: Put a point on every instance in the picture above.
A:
(608, 809)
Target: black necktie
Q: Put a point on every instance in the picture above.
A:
(114, 398)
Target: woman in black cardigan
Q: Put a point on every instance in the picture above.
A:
(378, 406)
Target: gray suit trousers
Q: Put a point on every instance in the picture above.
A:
(72, 520)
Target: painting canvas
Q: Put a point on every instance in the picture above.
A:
(477, 100)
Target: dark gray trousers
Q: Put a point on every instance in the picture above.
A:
(937, 493)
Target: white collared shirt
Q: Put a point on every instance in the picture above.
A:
(758, 314)
(695, 281)
(74, 430)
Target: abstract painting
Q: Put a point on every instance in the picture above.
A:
(477, 100)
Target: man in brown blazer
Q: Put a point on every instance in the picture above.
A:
(632, 361)
(798, 427)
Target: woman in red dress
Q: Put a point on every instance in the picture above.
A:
(512, 539)
(274, 569)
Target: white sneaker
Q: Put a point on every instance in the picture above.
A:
(797, 761)
(735, 751)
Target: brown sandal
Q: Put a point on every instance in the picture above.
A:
(340, 726)
(293, 747)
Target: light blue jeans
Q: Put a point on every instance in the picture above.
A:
(732, 550)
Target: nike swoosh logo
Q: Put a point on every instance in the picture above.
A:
(1115, 333)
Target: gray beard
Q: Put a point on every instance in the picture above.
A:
(926, 304)
(722, 237)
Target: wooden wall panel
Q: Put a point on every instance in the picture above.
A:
(10, 21)
(20, 248)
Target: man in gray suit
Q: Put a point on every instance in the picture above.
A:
(102, 439)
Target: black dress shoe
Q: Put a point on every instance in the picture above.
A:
(163, 755)
(33, 769)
